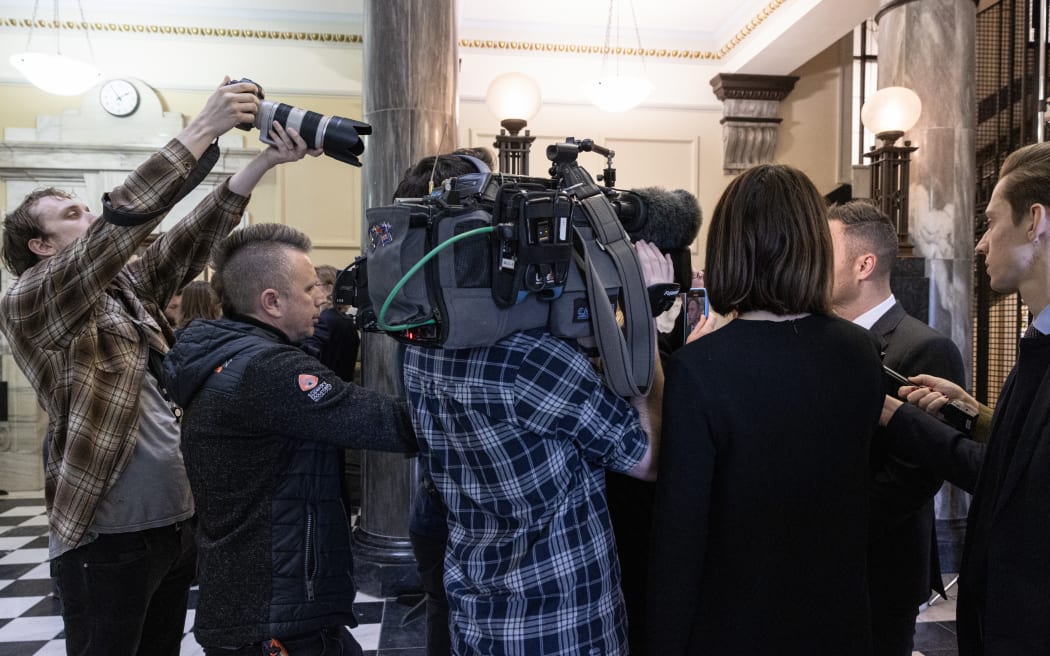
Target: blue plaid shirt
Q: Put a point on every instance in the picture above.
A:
(517, 437)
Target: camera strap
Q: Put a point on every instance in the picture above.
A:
(127, 219)
(628, 355)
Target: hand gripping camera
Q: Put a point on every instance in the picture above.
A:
(338, 137)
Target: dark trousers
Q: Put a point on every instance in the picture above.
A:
(631, 504)
(125, 593)
(893, 629)
(331, 641)
(430, 559)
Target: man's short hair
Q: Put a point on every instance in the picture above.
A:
(1024, 179)
(21, 225)
(480, 152)
(867, 230)
(251, 260)
(769, 246)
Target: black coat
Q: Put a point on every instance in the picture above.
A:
(261, 429)
(1004, 582)
(902, 549)
(335, 343)
(760, 525)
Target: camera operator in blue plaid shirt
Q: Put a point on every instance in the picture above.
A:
(516, 437)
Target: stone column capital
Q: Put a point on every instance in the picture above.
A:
(742, 86)
(750, 116)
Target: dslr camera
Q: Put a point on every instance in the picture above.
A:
(338, 137)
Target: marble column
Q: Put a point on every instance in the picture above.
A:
(927, 46)
(409, 98)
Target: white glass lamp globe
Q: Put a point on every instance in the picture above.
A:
(618, 93)
(891, 112)
(57, 74)
(514, 96)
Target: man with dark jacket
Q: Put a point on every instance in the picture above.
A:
(262, 427)
(902, 549)
(1004, 577)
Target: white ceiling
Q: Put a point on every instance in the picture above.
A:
(685, 21)
(712, 36)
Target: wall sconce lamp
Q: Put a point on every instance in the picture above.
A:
(54, 72)
(889, 113)
(513, 98)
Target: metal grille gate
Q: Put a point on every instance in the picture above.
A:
(1005, 85)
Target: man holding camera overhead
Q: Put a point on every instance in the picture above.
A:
(86, 325)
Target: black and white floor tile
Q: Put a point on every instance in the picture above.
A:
(31, 622)
(30, 614)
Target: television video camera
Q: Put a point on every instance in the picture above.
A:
(338, 137)
(485, 255)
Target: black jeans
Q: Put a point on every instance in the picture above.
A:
(331, 641)
(428, 532)
(430, 560)
(893, 630)
(125, 593)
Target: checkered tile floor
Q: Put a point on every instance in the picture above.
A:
(31, 622)
(31, 616)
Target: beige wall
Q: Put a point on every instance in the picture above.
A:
(812, 129)
(682, 148)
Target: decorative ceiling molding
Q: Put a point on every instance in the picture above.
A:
(181, 30)
(659, 53)
(356, 39)
(587, 50)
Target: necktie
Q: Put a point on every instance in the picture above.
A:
(1031, 331)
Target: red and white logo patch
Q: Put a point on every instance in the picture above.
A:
(314, 387)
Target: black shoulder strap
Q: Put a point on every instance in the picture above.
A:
(127, 219)
(628, 355)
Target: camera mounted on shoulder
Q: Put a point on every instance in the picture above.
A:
(485, 255)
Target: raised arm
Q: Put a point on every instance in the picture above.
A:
(228, 106)
(182, 253)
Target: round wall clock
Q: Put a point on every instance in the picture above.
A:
(119, 97)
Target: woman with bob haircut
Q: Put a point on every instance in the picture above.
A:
(759, 538)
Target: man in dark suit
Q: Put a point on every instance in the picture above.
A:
(1004, 578)
(902, 546)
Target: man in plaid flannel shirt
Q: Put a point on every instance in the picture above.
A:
(84, 319)
(516, 437)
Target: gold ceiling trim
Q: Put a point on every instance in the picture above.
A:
(182, 30)
(663, 53)
(325, 37)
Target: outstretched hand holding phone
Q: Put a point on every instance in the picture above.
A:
(709, 323)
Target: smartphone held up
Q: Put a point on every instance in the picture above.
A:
(695, 304)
